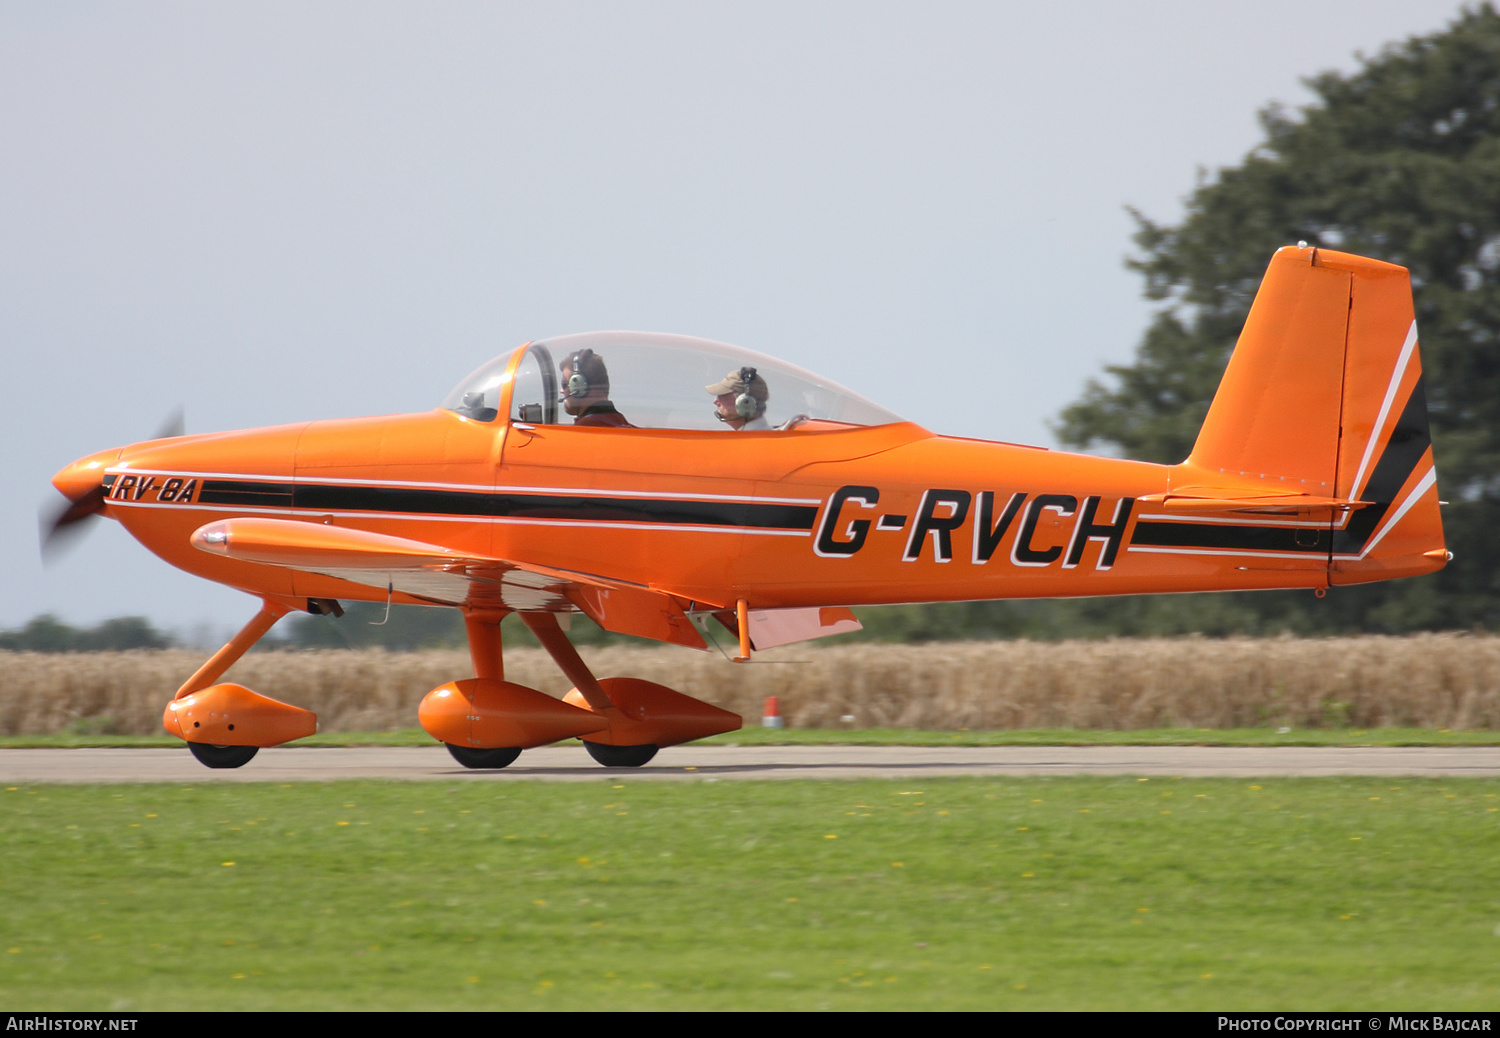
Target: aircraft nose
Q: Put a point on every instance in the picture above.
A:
(86, 474)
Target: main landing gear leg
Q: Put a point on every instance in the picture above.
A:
(487, 652)
(550, 634)
(485, 649)
(486, 721)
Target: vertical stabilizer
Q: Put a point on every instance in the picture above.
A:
(1276, 413)
(1323, 400)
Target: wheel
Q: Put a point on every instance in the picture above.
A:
(470, 757)
(222, 756)
(621, 756)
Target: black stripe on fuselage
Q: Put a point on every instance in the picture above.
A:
(487, 504)
(244, 492)
(1308, 540)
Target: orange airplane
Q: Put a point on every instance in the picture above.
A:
(655, 482)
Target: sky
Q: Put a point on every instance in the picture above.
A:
(269, 212)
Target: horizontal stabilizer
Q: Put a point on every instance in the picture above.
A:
(1208, 501)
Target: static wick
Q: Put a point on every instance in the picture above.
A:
(389, 588)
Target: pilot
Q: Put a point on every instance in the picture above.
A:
(740, 399)
(585, 391)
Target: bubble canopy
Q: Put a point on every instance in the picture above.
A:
(655, 381)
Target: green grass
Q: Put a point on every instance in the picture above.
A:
(900, 737)
(1066, 893)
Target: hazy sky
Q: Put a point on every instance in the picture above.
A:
(265, 213)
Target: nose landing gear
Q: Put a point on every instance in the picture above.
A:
(212, 756)
(225, 725)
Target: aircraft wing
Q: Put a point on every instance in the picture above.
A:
(449, 577)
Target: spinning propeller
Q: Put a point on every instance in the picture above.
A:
(60, 527)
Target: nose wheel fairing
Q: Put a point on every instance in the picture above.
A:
(233, 715)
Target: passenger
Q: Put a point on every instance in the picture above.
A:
(740, 399)
(585, 391)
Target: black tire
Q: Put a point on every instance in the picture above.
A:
(222, 756)
(471, 757)
(621, 756)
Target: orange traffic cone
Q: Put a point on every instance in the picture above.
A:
(772, 718)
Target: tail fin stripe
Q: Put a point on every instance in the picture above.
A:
(1404, 449)
(1426, 483)
(1407, 350)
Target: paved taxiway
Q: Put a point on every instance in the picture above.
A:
(702, 763)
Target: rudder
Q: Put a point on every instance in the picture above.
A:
(1385, 453)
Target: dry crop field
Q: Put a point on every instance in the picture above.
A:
(1431, 680)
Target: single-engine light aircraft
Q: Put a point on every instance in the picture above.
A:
(656, 483)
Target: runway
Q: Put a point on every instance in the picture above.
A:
(724, 763)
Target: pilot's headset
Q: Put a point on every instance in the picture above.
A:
(578, 383)
(745, 405)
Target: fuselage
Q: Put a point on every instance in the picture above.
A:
(816, 515)
(1314, 467)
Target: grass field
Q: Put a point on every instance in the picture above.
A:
(1063, 893)
(617, 894)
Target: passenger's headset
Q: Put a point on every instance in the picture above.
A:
(746, 405)
(578, 383)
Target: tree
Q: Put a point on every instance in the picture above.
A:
(1400, 161)
(46, 633)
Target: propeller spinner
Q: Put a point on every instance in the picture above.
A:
(82, 483)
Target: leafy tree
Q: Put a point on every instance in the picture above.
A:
(1400, 161)
(123, 632)
(46, 633)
